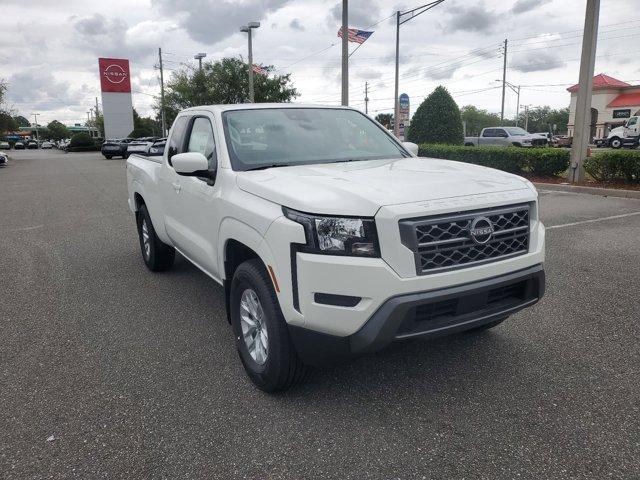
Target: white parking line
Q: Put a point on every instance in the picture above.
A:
(624, 215)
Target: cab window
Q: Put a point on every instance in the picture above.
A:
(176, 140)
(489, 132)
(201, 140)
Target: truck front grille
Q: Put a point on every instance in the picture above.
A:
(447, 242)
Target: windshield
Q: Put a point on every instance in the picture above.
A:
(516, 131)
(259, 138)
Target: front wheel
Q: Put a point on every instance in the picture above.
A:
(157, 255)
(108, 157)
(262, 336)
(615, 142)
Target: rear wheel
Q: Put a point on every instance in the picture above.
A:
(108, 157)
(157, 255)
(262, 336)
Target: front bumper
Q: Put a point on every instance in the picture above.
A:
(426, 314)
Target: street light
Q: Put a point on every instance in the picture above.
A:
(35, 116)
(516, 89)
(199, 57)
(247, 29)
(402, 18)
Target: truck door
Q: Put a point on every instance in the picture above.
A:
(632, 128)
(487, 136)
(194, 209)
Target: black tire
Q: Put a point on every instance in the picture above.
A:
(486, 326)
(469, 145)
(516, 144)
(108, 157)
(282, 368)
(615, 143)
(159, 256)
(125, 156)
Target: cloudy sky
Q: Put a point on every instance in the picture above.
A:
(49, 48)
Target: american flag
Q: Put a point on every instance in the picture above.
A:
(259, 70)
(355, 35)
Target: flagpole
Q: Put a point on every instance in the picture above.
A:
(345, 52)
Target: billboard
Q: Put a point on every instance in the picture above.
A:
(403, 100)
(117, 108)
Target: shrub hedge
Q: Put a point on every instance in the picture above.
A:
(81, 142)
(621, 165)
(542, 162)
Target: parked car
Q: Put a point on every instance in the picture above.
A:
(562, 141)
(505, 136)
(115, 147)
(157, 147)
(46, 145)
(5, 145)
(4, 159)
(139, 146)
(330, 237)
(18, 146)
(32, 144)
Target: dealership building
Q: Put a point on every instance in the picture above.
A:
(612, 102)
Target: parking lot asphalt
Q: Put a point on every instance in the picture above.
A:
(110, 371)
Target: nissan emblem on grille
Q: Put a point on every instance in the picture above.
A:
(481, 230)
(462, 239)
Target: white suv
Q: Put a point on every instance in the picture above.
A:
(330, 237)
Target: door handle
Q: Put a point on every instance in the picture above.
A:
(177, 187)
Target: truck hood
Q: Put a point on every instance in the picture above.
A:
(361, 188)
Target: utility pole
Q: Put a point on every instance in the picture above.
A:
(526, 117)
(581, 134)
(366, 97)
(400, 20)
(518, 106)
(247, 29)
(35, 116)
(97, 115)
(345, 52)
(396, 91)
(504, 81)
(162, 114)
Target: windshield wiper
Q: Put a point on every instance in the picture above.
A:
(273, 165)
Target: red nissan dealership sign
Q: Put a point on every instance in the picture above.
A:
(114, 75)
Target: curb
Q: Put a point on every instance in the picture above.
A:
(604, 192)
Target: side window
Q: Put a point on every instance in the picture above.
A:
(632, 121)
(176, 141)
(498, 132)
(489, 132)
(201, 140)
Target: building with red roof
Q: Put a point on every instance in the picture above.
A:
(612, 102)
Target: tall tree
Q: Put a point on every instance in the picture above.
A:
(57, 131)
(477, 119)
(22, 121)
(144, 126)
(437, 120)
(385, 119)
(7, 123)
(222, 82)
(541, 117)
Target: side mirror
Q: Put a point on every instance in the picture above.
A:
(189, 162)
(412, 147)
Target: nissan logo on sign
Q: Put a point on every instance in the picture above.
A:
(114, 75)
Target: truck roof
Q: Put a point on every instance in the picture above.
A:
(256, 106)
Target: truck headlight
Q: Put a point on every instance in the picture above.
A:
(337, 235)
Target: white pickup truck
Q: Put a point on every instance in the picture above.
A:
(330, 237)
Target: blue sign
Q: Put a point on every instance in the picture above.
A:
(404, 100)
